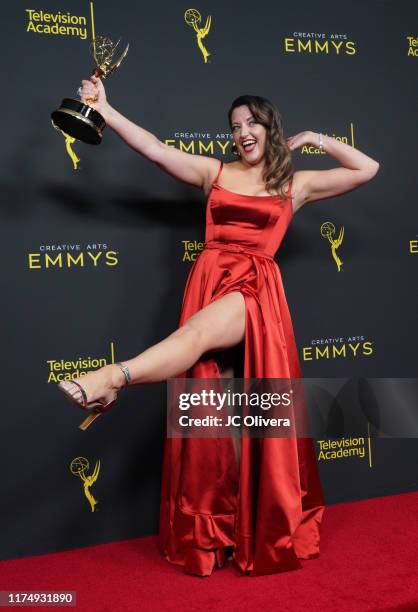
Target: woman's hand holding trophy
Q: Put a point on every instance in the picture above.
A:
(93, 93)
(85, 119)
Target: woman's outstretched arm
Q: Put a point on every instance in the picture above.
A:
(357, 168)
(197, 170)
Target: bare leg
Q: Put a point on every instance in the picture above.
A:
(217, 326)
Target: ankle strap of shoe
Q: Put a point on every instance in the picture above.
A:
(125, 370)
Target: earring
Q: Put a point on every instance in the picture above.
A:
(235, 150)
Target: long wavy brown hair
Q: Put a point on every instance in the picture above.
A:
(278, 167)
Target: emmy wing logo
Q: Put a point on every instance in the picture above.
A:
(69, 141)
(78, 467)
(192, 17)
(328, 231)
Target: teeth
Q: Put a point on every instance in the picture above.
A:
(248, 142)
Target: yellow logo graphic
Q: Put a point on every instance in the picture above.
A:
(318, 43)
(69, 140)
(195, 143)
(312, 149)
(61, 369)
(345, 447)
(59, 256)
(334, 348)
(412, 46)
(61, 24)
(192, 248)
(192, 17)
(328, 231)
(78, 467)
(413, 247)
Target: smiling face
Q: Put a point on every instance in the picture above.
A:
(249, 136)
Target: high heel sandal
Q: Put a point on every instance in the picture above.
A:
(96, 407)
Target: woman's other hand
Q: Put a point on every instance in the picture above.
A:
(301, 139)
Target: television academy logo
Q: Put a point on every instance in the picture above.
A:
(345, 448)
(68, 369)
(191, 250)
(412, 50)
(314, 150)
(56, 24)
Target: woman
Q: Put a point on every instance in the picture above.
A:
(263, 501)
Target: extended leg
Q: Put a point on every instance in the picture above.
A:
(217, 326)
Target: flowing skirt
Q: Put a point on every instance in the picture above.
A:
(268, 505)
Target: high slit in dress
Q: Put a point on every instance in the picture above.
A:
(266, 508)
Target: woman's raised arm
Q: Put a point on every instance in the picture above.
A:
(357, 169)
(197, 170)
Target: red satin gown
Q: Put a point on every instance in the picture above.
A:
(269, 506)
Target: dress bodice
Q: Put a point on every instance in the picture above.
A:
(256, 222)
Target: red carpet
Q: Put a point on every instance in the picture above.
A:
(368, 562)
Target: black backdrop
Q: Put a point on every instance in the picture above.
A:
(127, 223)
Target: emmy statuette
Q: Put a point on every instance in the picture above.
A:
(77, 118)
